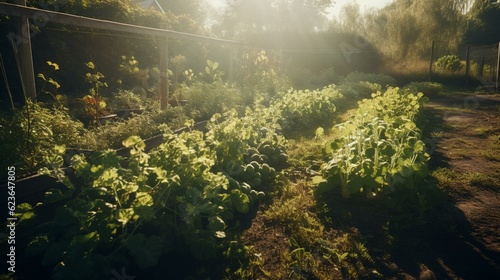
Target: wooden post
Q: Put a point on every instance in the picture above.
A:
(467, 65)
(4, 74)
(164, 73)
(497, 87)
(430, 62)
(21, 42)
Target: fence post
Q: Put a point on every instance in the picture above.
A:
(497, 87)
(467, 65)
(24, 56)
(431, 59)
(164, 72)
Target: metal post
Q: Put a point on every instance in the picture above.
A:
(430, 62)
(21, 42)
(467, 65)
(497, 87)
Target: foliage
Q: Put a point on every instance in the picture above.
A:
(449, 63)
(382, 79)
(248, 150)
(179, 196)
(403, 30)
(93, 102)
(427, 88)
(303, 78)
(306, 110)
(29, 135)
(111, 135)
(48, 81)
(482, 28)
(206, 99)
(379, 148)
(260, 77)
(132, 74)
(126, 99)
(362, 85)
(359, 90)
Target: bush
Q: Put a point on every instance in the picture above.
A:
(111, 135)
(207, 99)
(359, 89)
(381, 79)
(306, 79)
(427, 88)
(28, 136)
(449, 63)
(126, 99)
(306, 110)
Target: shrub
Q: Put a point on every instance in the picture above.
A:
(381, 79)
(427, 88)
(449, 63)
(207, 99)
(112, 134)
(306, 109)
(28, 136)
(359, 89)
(126, 99)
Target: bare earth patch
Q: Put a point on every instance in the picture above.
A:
(467, 142)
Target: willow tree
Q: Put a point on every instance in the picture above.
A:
(405, 28)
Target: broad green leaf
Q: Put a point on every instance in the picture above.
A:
(316, 180)
(125, 215)
(240, 201)
(146, 250)
(216, 223)
(145, 212)
(38, 245)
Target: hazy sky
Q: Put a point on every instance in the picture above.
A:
(364, 4)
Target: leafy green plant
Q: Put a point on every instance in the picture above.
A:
(179, 196)
(49, 82)
(381, 79)
(112, 134)
(30, 134)
(306, 110)
(206, 99)
(212, 71)
(126, 99)
(93, 102)
(427, 88)
(360, 89)
(379, 148)
(260, 77)
(449, 63)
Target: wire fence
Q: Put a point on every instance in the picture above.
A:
(471, 63)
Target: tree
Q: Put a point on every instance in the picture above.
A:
(246, 17)
(483, 25)
(405, 28)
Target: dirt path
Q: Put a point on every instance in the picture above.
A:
(466, 157)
